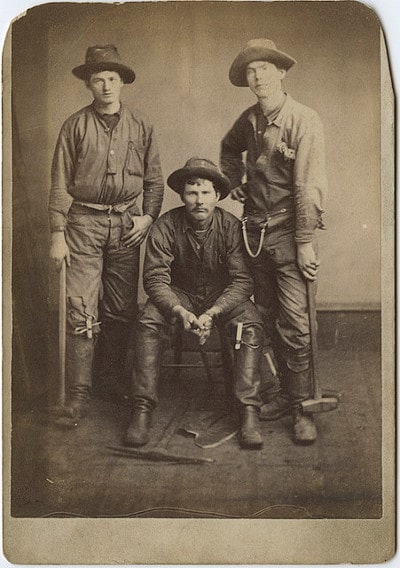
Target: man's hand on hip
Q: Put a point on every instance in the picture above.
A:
(59, 250)
(141, 226)
(239, 193)
(307, 261)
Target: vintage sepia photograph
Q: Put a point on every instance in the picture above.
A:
(198, 284)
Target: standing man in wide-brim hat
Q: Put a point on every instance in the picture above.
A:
(283, 199)
(105, 158)
(195, 273)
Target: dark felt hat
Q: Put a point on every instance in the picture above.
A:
(202, 168)
(103, 58)
(257, 50)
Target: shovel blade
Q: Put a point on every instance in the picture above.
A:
(318, 405)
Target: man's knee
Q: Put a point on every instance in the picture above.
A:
(151, 318)
(81, 318)
(297, 360)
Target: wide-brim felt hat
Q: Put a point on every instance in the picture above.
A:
(103, 58)
(257, 50)
(202, 168)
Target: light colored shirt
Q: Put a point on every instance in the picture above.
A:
(94, 163)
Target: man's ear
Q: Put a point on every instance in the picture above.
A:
(283, 73)
(218, 193)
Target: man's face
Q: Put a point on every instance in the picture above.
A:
(200, 198)
(264, 78)
(106, 87)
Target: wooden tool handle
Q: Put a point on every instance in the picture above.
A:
(312, 316)
(62, 321)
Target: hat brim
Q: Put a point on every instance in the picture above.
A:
(84, 71)
(238, 70)
(177, 179)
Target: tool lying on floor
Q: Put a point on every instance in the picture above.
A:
(159, 452)
(319, 402)
(212, 433)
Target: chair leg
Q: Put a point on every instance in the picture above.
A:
(207, 366)
(178, 352)
(227, 358)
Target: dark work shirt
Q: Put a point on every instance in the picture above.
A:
(212, 271)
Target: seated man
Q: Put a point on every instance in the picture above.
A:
(195, 273)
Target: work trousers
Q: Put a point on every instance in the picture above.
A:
(103, 271)
(280, 293)
(103, 274)
(152, 325)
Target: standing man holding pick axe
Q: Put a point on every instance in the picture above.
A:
(283, 198)
(106, 157)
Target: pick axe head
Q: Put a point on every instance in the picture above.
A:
(318, 405)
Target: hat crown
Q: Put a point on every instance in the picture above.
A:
(102, 54)
(261, 42)
(196, 162)
(202, 168)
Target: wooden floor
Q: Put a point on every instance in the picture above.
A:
(73, 473)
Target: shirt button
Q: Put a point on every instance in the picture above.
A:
(112, 152)
(283, 210)
(198, 247)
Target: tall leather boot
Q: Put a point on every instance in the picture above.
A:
(247, 386)
(299, 388)
(111, 376)
(148, 353)
(275, 398)
(78, 371)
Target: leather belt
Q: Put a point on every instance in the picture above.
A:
(116, 207)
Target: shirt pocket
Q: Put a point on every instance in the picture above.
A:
(135, 158)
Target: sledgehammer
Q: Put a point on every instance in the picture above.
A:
(319, 402)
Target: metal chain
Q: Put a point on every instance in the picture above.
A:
(246, 240)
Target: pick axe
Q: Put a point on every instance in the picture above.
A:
(62, 317)
(319, 402)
